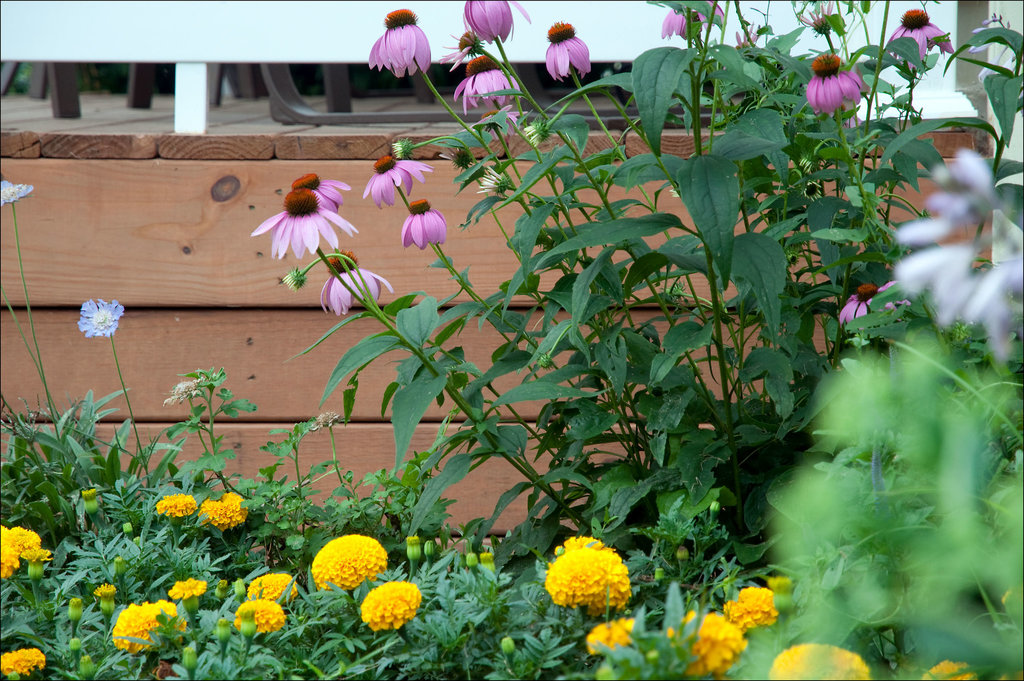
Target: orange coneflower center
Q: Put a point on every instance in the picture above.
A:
(467, 40)
(384, 164)
(560, 32)
(480, 65)
(338, 265)
(866, 292)
(915, 18)
(419, 207)
(309, 181)
(826, 65)
(399, 18)
(301, 202)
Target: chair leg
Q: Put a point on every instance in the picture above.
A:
(10, 69)
(141, 78)
(37, 81)
(337, 87)
(63, 90)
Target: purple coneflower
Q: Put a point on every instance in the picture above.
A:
(830, 88)
(860, 302)
(468, 45)
(566, 49)
(327, 191)
(676, 22)
(403, 46)
(917, 25)
(483, 76)
(390, 173)
(337, 296)
(490, 19)
(747, 38)
(301, 224)
(425, 225)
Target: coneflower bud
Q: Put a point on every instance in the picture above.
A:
(294, 280)
(544, 361)
(402, 148)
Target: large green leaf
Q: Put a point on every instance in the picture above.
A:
(541, 390)
(454, 470)
(760, 267)
(409, 405)
(925, 127)
(610, 232)
(659, 71)
(1005, 94)
(711, 191)
(418, 322)
(366, 350)
(779, 374)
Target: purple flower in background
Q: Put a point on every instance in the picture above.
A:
(500, 121)
(468, 45)
(425, 225)
(917, 25)
(566, 49)
(336, 296)
(483, 76)
(100, 318)
(676, 22)
(390, 173)
(328, 192)
(818, 20)
(301, 224)
(403, 46)
(859, 303)
(831, 89)
(491, 19)
(9, 193)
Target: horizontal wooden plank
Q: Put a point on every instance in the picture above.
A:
(362, 449)
(253, 346)
(96, 146)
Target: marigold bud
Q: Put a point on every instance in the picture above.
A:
(652, 656)
(429, 548)
(682, 554)
(75, 610)
(240, 590)
(487, 560)
(120, 566)
(189, 659)
(91, 505)
(75, 645)
(604, 673)
(248, 627)
(659, 574)
(413, 549)
(223, 630)
(471, 559)
(128, 529)
(222, 590)
(86, 667)
(508, 646)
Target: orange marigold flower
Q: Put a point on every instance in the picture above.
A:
(754, 607)
(347, 561)
(270, 587)
(391, 605)
(609, 635)
(22, 661)
(176, 505)
(719, 644)
(269, 615)
(139, 621)
(225, 513)
(596, 578)
(818, 661)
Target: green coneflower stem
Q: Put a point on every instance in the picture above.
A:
(131, 415)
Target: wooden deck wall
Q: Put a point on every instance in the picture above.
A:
(162, 222)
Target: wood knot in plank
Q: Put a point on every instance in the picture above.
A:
(225, 188)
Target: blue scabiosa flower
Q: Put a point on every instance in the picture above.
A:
(9, 193)
(100, 319)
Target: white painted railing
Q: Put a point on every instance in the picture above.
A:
(193, 34)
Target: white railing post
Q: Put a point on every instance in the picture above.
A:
(191, 101)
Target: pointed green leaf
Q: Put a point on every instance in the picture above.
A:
(760, 267)
(659, 70)
(711, 191)
(454, 470)
(408, 406)
(418, 322)
(541, 390)
(1005, 94)
(363, 352)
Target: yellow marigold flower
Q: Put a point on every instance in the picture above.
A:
(818, 661)
(719, 644)
(391, 605)
(573, 543)
(105, 591)
(754, 607)
(139, 621)
(190, 587)
(587, 576)
(225, 513)
(37, 555)
(347, 561)
(22, 661)
(176, 505)
(268, 615)
(780, 584)
(270, 587)
(947, 669)
(609, 635)
(13, 542)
